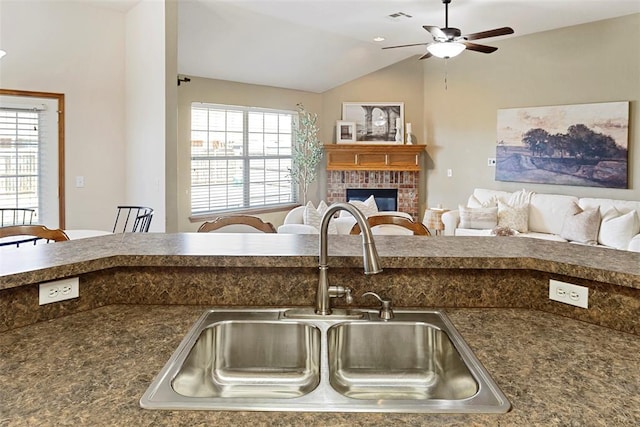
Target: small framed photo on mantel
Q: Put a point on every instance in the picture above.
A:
(345, 132)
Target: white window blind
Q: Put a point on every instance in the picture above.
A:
(240, 157)
(19, 158)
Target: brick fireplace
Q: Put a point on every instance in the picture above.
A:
(375, 166)
(406, 182)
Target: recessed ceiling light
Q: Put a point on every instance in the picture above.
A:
(378, 39)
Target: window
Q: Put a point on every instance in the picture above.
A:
(19, 154)
(240, 158)
(31, 160)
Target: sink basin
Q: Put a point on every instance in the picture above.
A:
(397, 360)
(251, 359)
(288, 359)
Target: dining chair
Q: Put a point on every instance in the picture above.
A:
(34, 233)
(16, 216)
(417, 228)
(237, 224)
(133, 219)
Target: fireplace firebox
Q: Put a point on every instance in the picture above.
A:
(405, 183)
(386, 198)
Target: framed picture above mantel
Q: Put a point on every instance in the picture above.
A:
(376, 122)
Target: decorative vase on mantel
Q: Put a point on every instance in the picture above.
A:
(398, 131)
(409, 139)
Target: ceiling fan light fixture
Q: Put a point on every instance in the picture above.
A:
(446, 49)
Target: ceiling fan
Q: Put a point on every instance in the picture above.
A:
(449, 42)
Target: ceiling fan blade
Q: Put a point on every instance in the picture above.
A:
(436, 32)
(480, 47)
(426, 55)
(406, 45)
(490, 33)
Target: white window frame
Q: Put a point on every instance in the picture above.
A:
(275, 192)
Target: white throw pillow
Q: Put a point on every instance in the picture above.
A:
(473, 202)
(368, 207)
(618, 229)
(322, 207)
(514, 217)
(634, 244)
(478, 218)
(582, 226)
(520, 198)
(313, 217)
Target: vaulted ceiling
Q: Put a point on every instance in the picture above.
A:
(316, 45)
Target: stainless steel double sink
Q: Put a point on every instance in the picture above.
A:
(293, 360)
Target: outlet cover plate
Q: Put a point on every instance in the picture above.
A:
(59, 290)
(568, 293)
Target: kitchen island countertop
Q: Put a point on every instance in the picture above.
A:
(91, 368)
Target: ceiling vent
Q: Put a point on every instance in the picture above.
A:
(399, 16)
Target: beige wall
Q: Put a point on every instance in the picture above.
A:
(111, 67)
(145, 107)
(457, 119)
(400, 82)
(79, 50)
(230, 93)
(590, 63)
(596, 62)
(171, 114)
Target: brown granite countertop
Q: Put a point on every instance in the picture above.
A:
(91, 368)
(28, 265)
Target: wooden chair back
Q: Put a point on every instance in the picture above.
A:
(35, 230)
(417, 228)
(229, 221)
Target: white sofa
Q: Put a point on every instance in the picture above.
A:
(294, 221)
(550, 217)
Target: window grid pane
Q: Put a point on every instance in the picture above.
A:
(240, 158)
(19, 159)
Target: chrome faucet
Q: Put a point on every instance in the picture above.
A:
(369, 253)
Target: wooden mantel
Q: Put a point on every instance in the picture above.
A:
(382, 157)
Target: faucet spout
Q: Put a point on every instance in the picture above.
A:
(370, 257)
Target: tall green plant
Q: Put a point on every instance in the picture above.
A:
(307, 151)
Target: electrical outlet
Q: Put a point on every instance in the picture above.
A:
(568, 293)
(449, 173)
(59, 290)
(491, 161)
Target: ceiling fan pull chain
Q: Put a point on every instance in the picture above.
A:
(446, 73)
